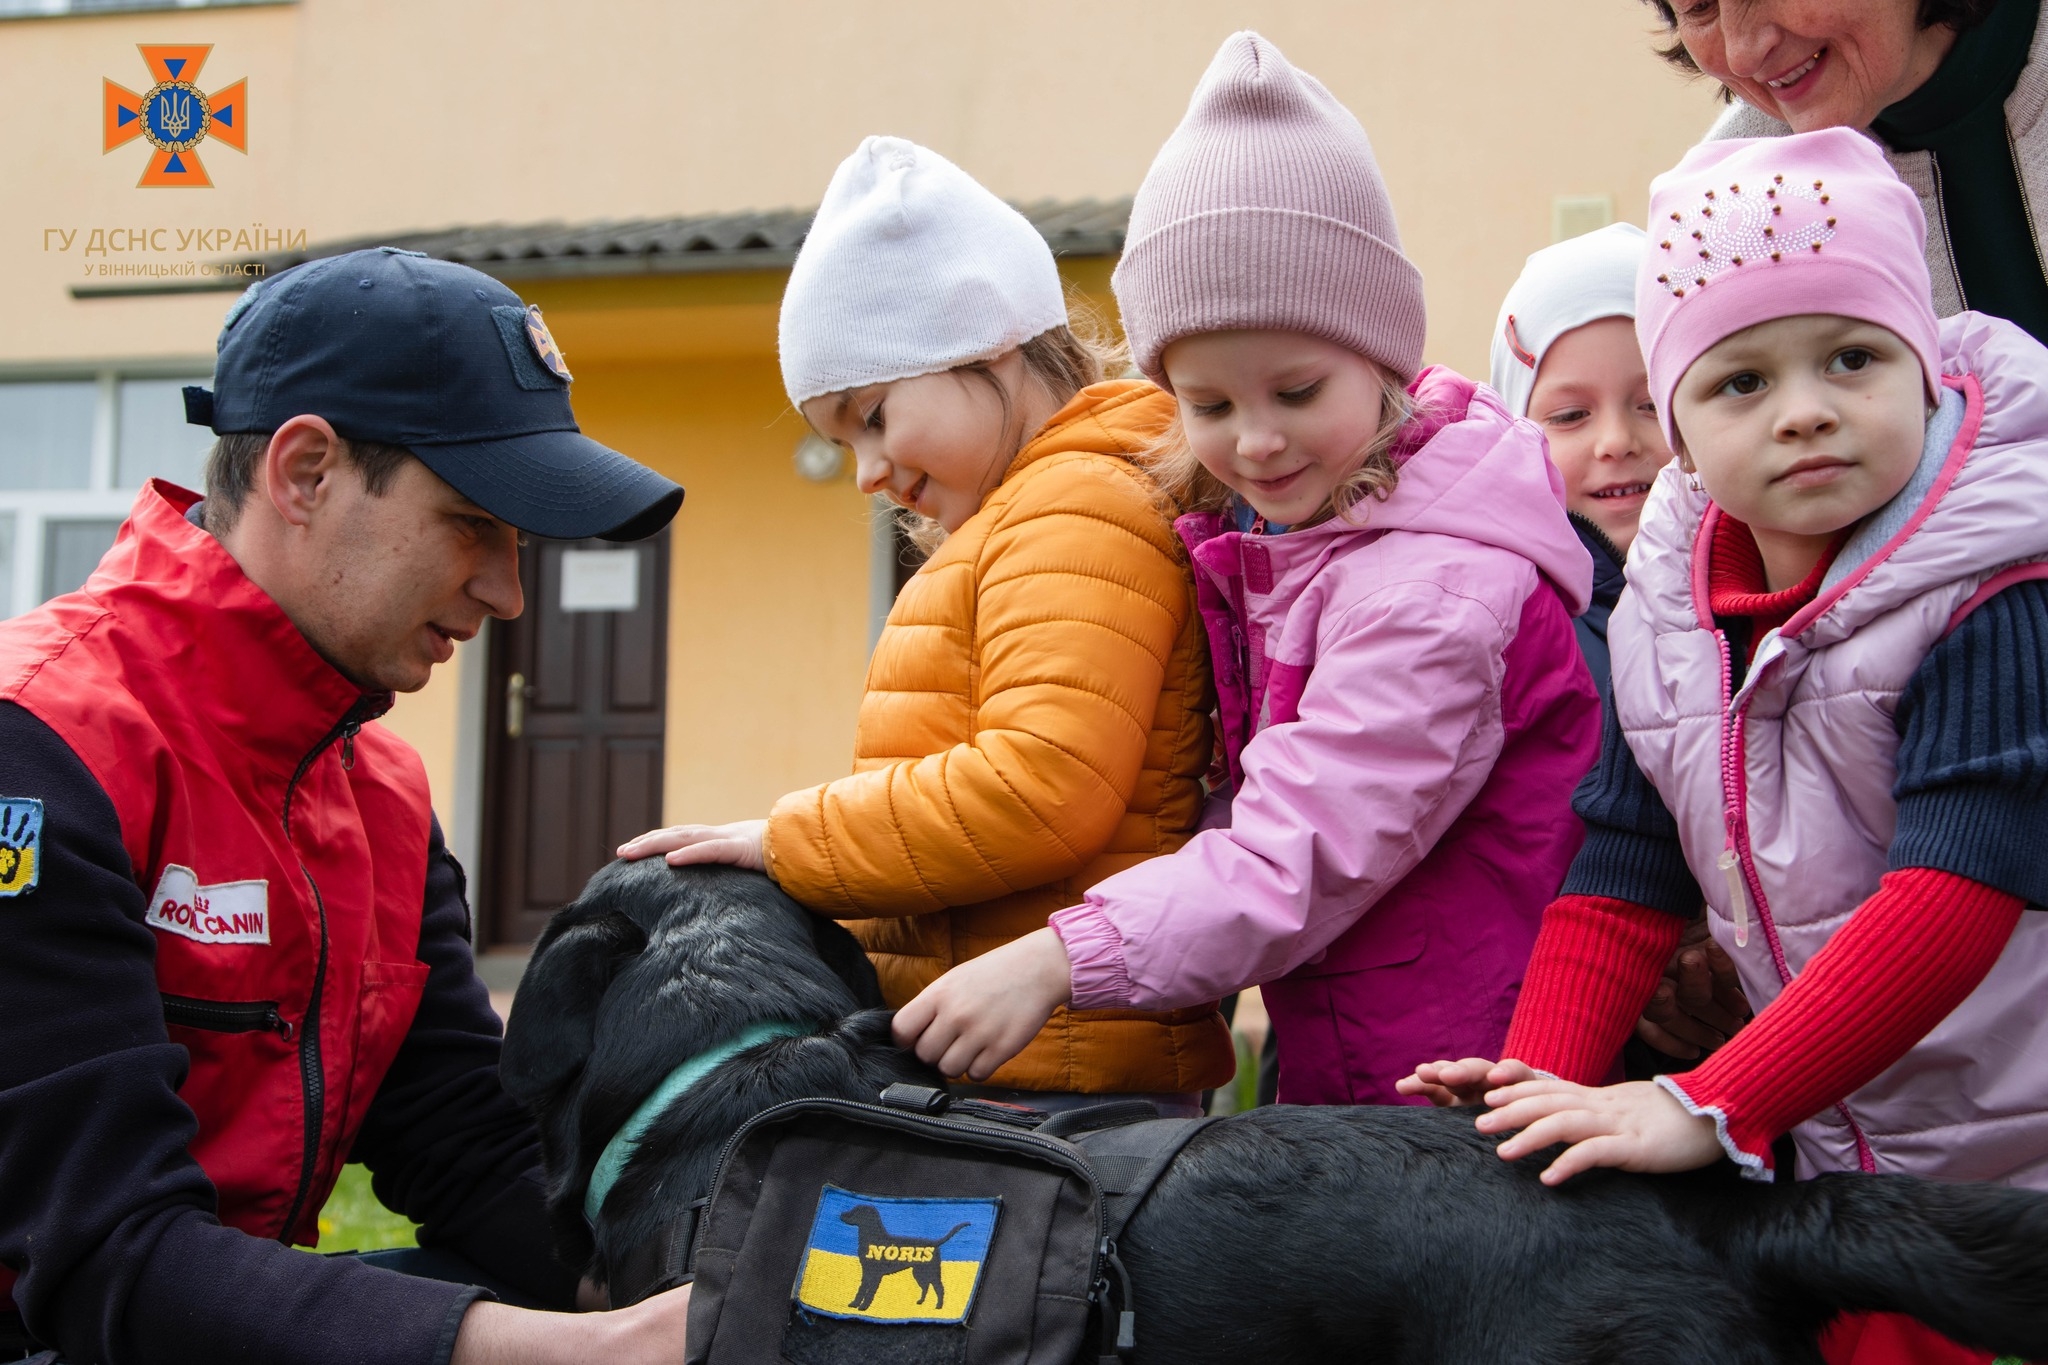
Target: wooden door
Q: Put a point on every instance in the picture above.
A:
(573, 767)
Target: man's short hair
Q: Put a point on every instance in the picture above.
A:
(231, 472)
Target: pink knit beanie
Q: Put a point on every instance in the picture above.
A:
(1749, 230)
(1265, 211)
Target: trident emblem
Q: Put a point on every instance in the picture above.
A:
(176, 112)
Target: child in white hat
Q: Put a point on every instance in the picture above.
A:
(1036, 715)
(1565, 357)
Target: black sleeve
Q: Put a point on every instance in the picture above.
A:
(445, 1144)
(1631, 851)
(1972, 781)
(104, 1215)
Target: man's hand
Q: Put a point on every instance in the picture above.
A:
(741, 843)
(1633, 1127)
(982, 1013)
(648, 1333)
(1699, 1004)
(1453, 1085)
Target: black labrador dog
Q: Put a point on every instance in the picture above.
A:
(1285, 1234)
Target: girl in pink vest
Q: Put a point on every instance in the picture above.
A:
(1829, 716)
(1388, 579)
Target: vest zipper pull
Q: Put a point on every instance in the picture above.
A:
(348, 748)
(1738, 896)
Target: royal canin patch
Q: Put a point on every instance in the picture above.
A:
(230, 912)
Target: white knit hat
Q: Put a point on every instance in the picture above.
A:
(1581, 280)
(911, 267)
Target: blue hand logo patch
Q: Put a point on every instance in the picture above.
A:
(21, 844)
(895, 1260)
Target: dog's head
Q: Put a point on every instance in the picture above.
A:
(653, 965)
(865, 1217)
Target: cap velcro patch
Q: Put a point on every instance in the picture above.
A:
(533, 367)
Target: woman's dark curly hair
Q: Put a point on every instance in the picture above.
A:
(1960, 15)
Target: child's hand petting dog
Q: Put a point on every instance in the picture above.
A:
(983, 1012)
(1638, 1127)
(743, 843)
(1452, 1085)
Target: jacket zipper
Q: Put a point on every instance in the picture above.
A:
(222, 1016)
(2026, 205)
(312, 1079)
(1948, 244)
(1738, 861)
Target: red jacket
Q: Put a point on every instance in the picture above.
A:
(282, 839)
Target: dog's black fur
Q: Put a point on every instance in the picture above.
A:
(1286, 1234)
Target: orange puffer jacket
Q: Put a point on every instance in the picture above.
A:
(1036, 718)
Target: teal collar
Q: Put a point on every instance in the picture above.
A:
(620, 1149)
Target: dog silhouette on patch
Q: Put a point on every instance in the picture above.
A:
(882, 1255)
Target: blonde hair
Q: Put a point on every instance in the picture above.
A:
(1190, 485)
(1064, 361)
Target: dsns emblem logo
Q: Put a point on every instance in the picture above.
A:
(174, 116)
(895, 1260)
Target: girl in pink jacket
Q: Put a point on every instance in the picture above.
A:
(1388, 578)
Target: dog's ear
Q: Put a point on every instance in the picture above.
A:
(842, 953)
(554, 1015)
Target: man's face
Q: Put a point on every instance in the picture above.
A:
(393, 580)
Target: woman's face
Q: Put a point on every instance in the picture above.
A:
(1813, 63)
(1592, 399)
(935, 444)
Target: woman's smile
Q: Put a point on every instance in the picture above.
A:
(1801, 78)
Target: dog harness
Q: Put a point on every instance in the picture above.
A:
(922, 1230)
(612, 1161)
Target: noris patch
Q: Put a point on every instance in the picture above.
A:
(884, 1259)
(21, 844)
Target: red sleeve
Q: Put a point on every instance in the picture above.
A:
(1595, 964)
(1906, 958)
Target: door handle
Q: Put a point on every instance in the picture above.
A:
(515, 706)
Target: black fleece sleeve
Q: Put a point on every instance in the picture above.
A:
(445, 1144)
(1632, 852)
(1972, 782)
(104, 1215)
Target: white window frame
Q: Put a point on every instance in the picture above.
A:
(34, 508)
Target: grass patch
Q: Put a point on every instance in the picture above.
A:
(353, 1220)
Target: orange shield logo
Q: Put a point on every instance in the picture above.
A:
(174, 116)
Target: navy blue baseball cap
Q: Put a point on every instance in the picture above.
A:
(396, 347)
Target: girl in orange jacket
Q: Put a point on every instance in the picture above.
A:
(1036, 712)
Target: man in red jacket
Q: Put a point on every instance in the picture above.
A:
(233, 946)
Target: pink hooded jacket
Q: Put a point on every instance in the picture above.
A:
(1405, 713)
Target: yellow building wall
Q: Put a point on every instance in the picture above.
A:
(372, 116)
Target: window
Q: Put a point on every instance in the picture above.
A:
(73, 453)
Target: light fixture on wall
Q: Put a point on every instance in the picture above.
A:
(818, 460)
(1574, 215)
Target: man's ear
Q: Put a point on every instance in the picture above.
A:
(299, 467)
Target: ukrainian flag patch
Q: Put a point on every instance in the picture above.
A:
(21, 844)
(882, 1259)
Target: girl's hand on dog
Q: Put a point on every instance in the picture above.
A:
(743, 843)
(1638, 1127)
(983, 1012)
(1452, 1085)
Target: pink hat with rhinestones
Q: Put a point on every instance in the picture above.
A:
(1748, 230)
